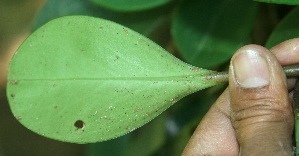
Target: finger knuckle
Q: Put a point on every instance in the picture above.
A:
(266, 109)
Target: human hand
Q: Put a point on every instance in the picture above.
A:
(254, 115)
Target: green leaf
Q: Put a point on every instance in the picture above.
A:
(130, 5)
(290, 2)
(109, 148)
(143, 141)
(149, 139)
(286, 29)
(212, 30)
(83, 79)
(144, 22)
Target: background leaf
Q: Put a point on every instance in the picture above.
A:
(290, 2)
(143, 141)
(122, 79)
(130, 5)
(144, 22)
(212, 30)
(286, 29)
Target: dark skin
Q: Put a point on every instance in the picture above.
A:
(254, 115)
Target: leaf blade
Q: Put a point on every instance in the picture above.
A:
(289, 2)
(286, 29)
(93, 71)
(130, 5)
(205, 31)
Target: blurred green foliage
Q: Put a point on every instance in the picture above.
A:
(198, 25)
(289, 2)
(213, 25)
(286, 29)
(130, 5)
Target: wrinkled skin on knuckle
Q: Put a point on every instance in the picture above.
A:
(262, 111)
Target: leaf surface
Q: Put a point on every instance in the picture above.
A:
(130, 5)
(83, 79)
(289, 2)
(144, 22)
(212, 30)
(286, 29)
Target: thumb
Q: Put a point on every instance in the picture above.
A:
(261, 112)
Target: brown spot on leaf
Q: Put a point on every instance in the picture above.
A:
(79, 124)
(14, 82)
(125, 30)
(18, 117)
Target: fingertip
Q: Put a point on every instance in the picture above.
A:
(259, 101)
(287, 52)
(250, 68)
(254, 66)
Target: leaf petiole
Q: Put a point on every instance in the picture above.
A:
(290, 71)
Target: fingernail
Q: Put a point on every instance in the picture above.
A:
(251, 69)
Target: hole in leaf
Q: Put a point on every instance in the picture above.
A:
(79, 124)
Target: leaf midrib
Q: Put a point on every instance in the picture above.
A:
(164, 78)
